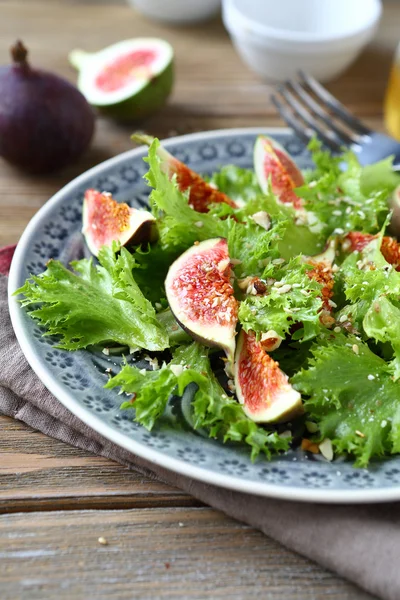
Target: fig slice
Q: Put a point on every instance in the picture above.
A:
(261, 387)
(356, 241)
(201, 193)
(105, 220)
(272, 162)
(200, 295)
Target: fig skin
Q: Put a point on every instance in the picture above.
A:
(45, 122)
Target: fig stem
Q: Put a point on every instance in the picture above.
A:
(19, 53)
(77, 58)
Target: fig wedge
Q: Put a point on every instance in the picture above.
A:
(272, 162)
(356, 241)
(200, 295)
(261, 387)
(105, 220)
(201, 193)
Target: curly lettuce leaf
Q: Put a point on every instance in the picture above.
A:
(180, 226)
(94, 304)
(239, 184)
(343, 195)
(279, 311)
(373, 298)
(352, 397)
(213, 410)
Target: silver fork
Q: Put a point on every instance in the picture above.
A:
(310, 109)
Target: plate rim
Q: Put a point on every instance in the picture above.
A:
(123, 440)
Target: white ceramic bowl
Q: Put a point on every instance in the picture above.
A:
(177, 12)
(323, 37)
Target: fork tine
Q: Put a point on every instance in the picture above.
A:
(331, 140)
(313, 106)
(291, 120)
(336, 106)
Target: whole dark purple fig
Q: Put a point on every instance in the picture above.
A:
(45, 122)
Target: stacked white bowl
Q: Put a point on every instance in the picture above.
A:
(275, 38)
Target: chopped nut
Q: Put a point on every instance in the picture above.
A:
(326, 449)
(270, 340)
(260, 286)
(355, 349)
(223, 264)
(199, 224)
(262, 219)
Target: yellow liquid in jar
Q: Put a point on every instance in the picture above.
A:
(392, 102)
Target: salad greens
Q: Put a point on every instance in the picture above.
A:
(340, 342)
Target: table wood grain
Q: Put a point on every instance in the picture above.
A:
(56, 501)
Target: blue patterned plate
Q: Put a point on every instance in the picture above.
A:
(77, 378)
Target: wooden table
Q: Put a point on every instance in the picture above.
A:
(56, 501)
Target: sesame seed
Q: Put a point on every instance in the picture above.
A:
(284, 289)
(337, 330)
(199, 224)
(360, 434)
(343, 318)
(371, 377)
(337, 213)
(355, 349)
(278, 261)
(384, 423)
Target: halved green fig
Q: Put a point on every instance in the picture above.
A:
(272, 162)
(261, 387)
(128, 80)
(105, 220)
(201, 194)
(356, 241)
(201, 297)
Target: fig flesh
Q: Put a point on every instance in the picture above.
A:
(321, 272)
(261, 387)
(201, 297)
(201, 194)
(128, 80)
(45, 122)
(390, 248)
(105, 220)
(272, 163)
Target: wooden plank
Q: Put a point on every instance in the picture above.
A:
(40, 473)
(158, 553)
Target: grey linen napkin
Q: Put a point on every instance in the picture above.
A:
(360, 543)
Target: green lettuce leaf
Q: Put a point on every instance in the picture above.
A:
(213, 410)
(94, 304)
(239, 184)
(342, 195)
(352, 397)
(280, 311)
(379, 176)
(373, 295)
